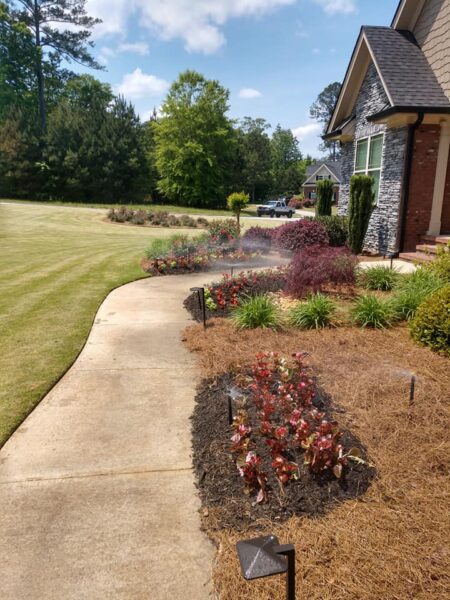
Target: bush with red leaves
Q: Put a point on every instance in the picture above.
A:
(257, 239)
(295, 202)
(299, 235)
(314, 268)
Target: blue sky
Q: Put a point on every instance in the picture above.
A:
(275, 56)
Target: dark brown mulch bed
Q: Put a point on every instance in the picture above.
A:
(221, 487)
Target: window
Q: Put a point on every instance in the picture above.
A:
(322, 177)
(368, 159)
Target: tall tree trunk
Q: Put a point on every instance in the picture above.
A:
(39, 74)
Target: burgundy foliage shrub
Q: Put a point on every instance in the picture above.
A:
(295, 202)
(313, 268)
(300, 234)
(257, 239)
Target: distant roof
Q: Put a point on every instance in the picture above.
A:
(406, 73)
(333, 166)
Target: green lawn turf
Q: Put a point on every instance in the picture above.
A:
(250, 211)
(57, 264)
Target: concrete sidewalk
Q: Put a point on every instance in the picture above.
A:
(97, 492)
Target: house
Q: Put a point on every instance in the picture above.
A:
(392, 119)
(317, 172)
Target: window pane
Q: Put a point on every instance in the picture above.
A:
(376, 182)
(376, 149)
(361, 155)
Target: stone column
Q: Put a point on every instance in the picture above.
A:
(439, 182)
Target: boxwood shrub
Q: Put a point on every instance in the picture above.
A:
(431, 325)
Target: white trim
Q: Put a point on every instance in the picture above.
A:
(329, 171)
(440, 180)
(401, 14)
(362, 43)
(366, 170)
(345, 83)
(378, 70)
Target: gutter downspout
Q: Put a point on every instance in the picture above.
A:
(407, 181)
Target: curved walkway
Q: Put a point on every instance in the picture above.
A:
(97, 496)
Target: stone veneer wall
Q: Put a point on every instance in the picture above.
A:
(382, 233)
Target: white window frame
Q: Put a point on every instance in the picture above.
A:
(366, 170)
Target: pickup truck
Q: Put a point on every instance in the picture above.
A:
(275, 208)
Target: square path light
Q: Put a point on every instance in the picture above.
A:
(263, 557)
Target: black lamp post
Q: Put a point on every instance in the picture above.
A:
(264, 557)
(201, 301)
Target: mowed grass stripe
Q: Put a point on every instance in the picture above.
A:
(66, 261)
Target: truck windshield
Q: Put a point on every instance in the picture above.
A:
(271, 203)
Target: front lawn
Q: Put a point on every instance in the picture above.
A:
(56, 267)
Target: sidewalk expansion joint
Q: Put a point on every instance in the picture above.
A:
(93, 475)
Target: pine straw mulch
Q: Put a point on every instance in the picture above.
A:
(392, 542)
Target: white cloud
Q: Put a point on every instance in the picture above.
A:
(107, 52)
(197, 22)
(249, 93)
(316, 51)
(332, 7)
(305, 131)
(137, 85)
(135, 48)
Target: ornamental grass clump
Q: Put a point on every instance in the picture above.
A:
(412, 289)
(371, 311)
(315, 268)
(257, 311)
(301, 234)
(316, 313)
(379, 277)
(431, 325)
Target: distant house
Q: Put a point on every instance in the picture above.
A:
(319, 171)
(392, 118)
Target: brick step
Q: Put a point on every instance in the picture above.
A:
(427, 248)
(436, 239)
(416, 257)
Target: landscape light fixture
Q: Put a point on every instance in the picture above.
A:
(201, 302)
(264, 557)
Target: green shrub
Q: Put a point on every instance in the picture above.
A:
(440, 266)
(360, 208)
(257, 311)
(412, 290)
(223, 231)
(431, 325)
(378, 277)
(236, 202)
(324, 190)
(337, 229)
(158, 248)
(317, 312)
(371, 311)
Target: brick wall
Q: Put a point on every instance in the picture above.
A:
(423, 173)
(445, 223)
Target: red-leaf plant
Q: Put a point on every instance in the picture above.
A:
(254, 478)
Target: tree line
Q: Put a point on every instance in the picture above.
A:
(67, 136)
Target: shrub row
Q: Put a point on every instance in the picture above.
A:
(156, 218)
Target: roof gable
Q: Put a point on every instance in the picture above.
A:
(329, 168)
(406, 75)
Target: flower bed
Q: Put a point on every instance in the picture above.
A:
(284, 453)
(223, 296)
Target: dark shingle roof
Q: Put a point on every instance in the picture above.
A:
(334, 166)
(407, 75)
